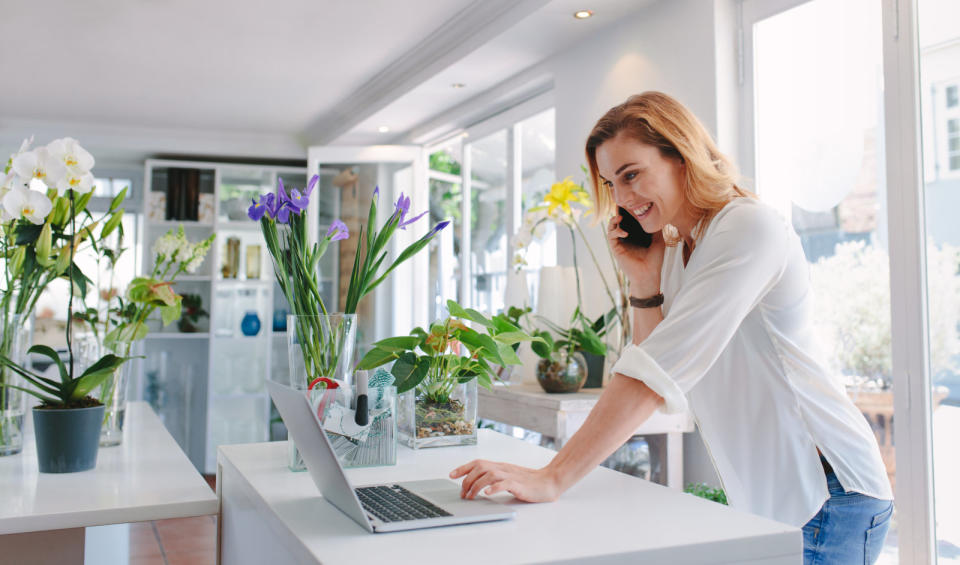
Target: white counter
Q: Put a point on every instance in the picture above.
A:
(147, 477)
(271, 515)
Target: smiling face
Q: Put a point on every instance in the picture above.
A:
(645, 183)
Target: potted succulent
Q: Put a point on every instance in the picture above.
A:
(437, 372)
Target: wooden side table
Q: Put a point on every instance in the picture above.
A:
(559, 416)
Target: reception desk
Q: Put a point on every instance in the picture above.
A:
(47, 518)
(269, 514)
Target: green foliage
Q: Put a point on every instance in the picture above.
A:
(68, 389)
(704, 490)
(581, 335)
(450, 353)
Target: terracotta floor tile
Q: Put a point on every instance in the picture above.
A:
(185, 527)
(189, 544)
(192, 558)
(143, 541)
(151, 560)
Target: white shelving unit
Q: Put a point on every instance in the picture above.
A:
(212, 387)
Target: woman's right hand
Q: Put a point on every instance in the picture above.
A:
(641, 265)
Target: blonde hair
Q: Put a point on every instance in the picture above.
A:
(653, 118)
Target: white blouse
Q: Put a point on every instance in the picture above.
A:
(736, 344)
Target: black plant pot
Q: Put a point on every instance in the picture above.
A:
(67, 438)
(594, 370)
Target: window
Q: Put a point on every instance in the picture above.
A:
(953, 143)
(953, 98)
(110, 187)
(511, 164)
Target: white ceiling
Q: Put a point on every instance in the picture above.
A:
(321, 69)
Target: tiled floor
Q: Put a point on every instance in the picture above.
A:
(180, 541)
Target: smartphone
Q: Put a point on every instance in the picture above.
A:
(635, 234)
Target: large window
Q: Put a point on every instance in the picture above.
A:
(510, 167)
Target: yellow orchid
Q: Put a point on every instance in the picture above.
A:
(565, 192)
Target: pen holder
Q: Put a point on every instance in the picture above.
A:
(370, 445)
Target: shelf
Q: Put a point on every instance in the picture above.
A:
(238, 225)
(194, 278)
(244, 282)
(175, 223)
(179, 335)
(240, 337)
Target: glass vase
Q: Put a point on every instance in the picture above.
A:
(427, 423)
(566, 374)
(15, 335)
(319, 346)
(112, 392)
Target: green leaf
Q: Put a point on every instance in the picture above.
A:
(118, 199)
(409, 371)
(468, 314)
(509, 338)
(508, 355)
(48, 351)
(27, 233)
(400, 343)
(172, 313)
(112, 223)
(504, 325)
(78, 278)
(374, 358)
(591, 342)
(545, 346)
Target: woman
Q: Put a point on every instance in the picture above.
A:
(721, 324)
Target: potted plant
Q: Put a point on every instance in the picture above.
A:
(565, 205)
(44, 222)
(67, 421)
(437, 373)
(192, 313)
(562, 366)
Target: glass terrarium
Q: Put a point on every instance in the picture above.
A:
(426, 421)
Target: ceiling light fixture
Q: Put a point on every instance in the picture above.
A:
(458, 85)
(383, 129)
(582, 14)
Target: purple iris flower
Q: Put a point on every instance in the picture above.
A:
(311, 185)
(376, 193)
(265, 205)
(283, 212)
(299, 201)
(402, 207)
(438, 227)
(338, 230)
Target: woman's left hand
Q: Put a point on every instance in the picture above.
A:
(529, 485)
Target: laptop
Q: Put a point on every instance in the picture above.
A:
(387, 507)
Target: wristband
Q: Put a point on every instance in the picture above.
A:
(649, 302)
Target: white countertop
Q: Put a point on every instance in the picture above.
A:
(608, 514)
(147, 477)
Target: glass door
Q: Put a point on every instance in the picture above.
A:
(813, 97)
(938, 41)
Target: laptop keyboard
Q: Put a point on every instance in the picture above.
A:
(397, 504)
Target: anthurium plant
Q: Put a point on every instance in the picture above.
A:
(449, 353)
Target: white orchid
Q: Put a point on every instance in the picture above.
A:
(38, 164)
(26, 204)
(67, 151)
(75, 179)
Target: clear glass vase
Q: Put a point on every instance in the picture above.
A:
(112, 392)
(566, 374)
(426, 423)
(319, 347)
(15, 335)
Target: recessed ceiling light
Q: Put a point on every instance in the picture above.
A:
(383, 129)
(582, 14)
(458, 85)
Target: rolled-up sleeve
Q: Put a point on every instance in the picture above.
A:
(738, 261)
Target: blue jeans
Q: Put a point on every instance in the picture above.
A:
(849, 529)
